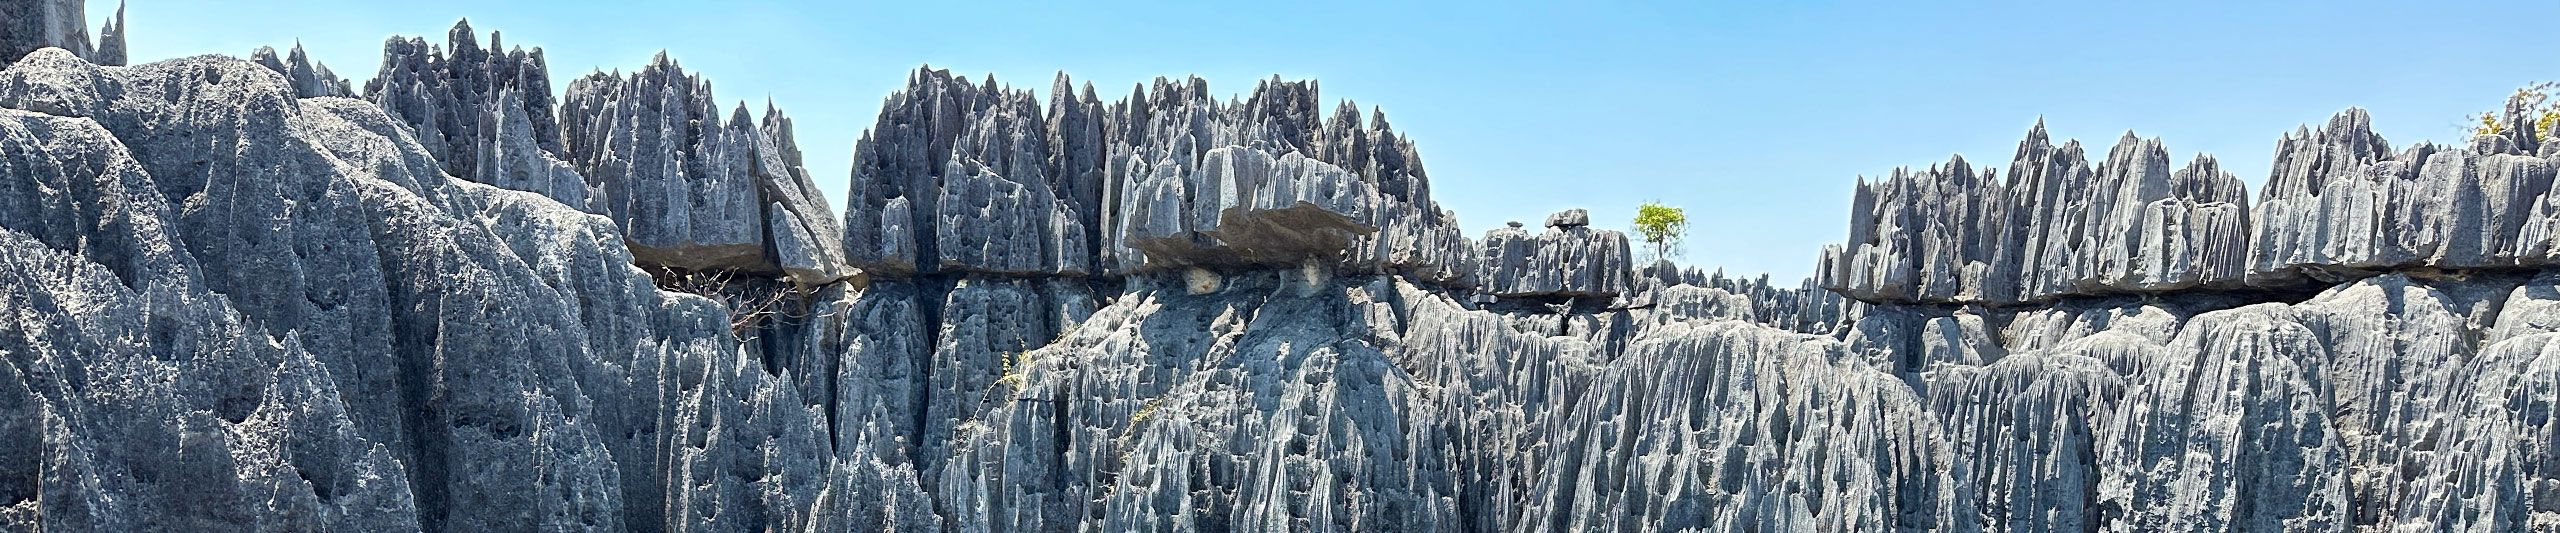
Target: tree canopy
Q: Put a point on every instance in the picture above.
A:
(1663, 227)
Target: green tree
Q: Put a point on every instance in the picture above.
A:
(1663, 227)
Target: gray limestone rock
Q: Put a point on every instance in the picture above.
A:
(446, 95)
(310, 80)
(666, 167)
(2025, 434)
(1203, 412)
(1569, 218)
(694, 192)
(1729, 426)
(2340, 205)
(230, 300)
(111, 45)
(511, 157)
(2055, 228)
(338, 336)
(30, 25)
(2230, 430)
(1568, 261)
(971, 177)
(956, 176)
(802, 233)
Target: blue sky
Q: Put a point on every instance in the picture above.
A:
(1754, 116)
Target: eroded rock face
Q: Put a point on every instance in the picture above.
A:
(1180, 412)
(230, 299)
(2340, 204)
(669, 169)
(449, 96)
(1728, 426)
(694, 192)
(2057, 227)
(310, 79)
(974, 177)
(347, 338)
(30, 25)
(1570, 260)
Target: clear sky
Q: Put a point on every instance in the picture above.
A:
(1754, 116)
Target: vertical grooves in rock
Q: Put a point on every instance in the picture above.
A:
(1176, 312)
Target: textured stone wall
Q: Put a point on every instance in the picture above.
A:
(2340, 204)
(232, 297)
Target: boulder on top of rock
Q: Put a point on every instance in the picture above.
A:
(1569, 260)
(1245, 207)
(1569, 218)
(961, 176)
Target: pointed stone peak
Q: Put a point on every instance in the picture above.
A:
(2204, 181)
(2520, 128)
(111, 45)
(2038, 141)
(2132, 146)
(2205, 162)
(1347, 113)
(2072, 150)
(2353, 126)
(2352, 119)
(462, 40)
(1954, 172)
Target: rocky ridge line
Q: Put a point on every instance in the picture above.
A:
(1274, 329)
(2339, 205)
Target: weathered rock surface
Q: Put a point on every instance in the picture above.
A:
(231, 298)
(649, 151)
(1728, 426)
(449, 95)
(2339, 205)
(2057, 227)
(293, 320)
(669, 170)
(310, 79)
(1570, 260)
(29, 25)
(1267, 404)
(691, 191)
(974, 177)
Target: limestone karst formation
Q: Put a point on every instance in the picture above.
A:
(251, 295)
